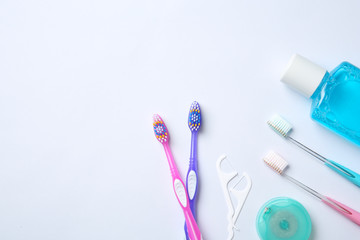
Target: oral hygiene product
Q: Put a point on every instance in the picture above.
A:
(283, 128)
(335, 95)
(283, 218)
(194, 122)
(162, 135)
(278, 164)
(239, 195)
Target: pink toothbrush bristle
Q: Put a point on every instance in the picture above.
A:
(160, 129)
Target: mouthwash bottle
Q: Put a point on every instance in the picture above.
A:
(335, 95)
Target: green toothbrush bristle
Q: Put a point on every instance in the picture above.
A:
(280, 125)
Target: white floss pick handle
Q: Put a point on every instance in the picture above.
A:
(240, 195)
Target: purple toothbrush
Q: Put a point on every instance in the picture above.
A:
(194, 122)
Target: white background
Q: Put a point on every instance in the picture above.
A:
(80, 81)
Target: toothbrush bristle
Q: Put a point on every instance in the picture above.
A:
(276, 162)
(194, 120)
(160, 129)
(280, 125)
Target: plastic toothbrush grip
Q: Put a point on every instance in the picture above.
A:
(180, 192)
(343, 209)
(351, 176)
(181, 195)
(191, 185)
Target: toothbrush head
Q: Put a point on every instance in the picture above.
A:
(276, 162)
(194, 120)
(280, 125)
(160, 130)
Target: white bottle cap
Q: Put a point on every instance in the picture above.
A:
(303, 75)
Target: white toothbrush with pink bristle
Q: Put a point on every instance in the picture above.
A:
(278, 164)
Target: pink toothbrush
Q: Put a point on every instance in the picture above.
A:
(162, 136)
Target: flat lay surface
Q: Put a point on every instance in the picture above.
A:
(81, 80)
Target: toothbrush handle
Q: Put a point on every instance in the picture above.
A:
(182, 197)
(343, 209)
(191, 186)
(192, 176)
(345, 172)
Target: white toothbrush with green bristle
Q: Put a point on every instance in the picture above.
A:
(283, 128)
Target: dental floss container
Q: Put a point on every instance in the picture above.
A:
(283, 218)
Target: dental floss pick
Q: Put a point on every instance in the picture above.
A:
(240, 195)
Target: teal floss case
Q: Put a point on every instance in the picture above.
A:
(283, 219)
